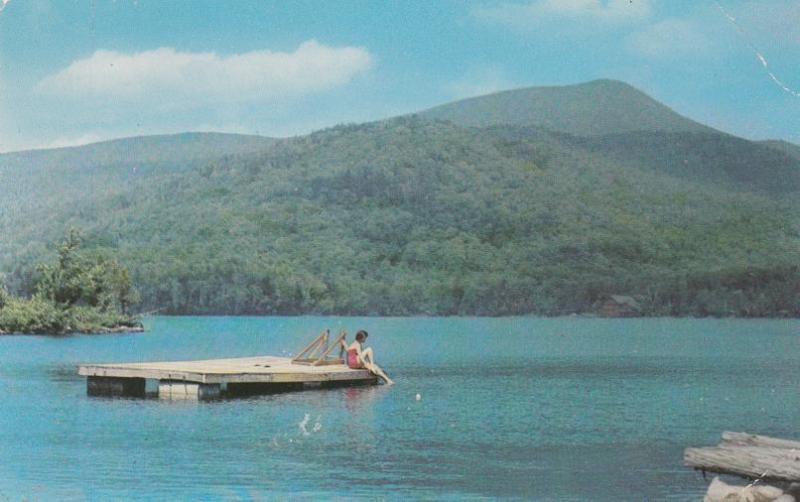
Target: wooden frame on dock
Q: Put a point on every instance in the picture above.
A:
(316, 353)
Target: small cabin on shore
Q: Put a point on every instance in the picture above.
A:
(619, 306)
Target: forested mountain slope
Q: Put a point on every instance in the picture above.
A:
(599, 107)
(177, 149)
(719, 159)
(784, 146)
(420, 216)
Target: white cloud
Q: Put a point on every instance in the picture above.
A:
(166, 74)
(670, 38)
(538, 12)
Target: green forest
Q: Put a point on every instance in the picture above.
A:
(78, 292)
(540, 202)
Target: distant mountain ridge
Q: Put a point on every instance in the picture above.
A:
(164, 148)
(618, 121)
(599, 107)
(784, 146)
(539, 201)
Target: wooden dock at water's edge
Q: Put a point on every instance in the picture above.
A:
(214, 378)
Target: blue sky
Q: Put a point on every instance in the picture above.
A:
(78, 71)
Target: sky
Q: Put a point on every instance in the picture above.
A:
(78, 71)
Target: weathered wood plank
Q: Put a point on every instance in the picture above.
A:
(309, 349)
(752, 462)
(745, 439)
(339, 339)
(240, 370)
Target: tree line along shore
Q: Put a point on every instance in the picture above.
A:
(80, 291)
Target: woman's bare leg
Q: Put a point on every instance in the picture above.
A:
(368, 360)
(385, 377)
(377, 370)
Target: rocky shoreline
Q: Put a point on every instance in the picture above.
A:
(119, 329)
(99, 331)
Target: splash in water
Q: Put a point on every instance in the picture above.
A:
(304, 425)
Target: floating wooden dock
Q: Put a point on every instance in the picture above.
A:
(218, 377)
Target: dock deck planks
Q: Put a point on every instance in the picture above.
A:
(262, 369)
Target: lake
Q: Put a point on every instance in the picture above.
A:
(541, 409)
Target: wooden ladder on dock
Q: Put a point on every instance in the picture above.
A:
(316, 353)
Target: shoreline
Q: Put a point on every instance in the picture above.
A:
(100, 331)
(140, 328)
(487, 316)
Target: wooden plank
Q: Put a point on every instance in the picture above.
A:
(239, 370)
(328, 362)
(745, 439)
(323, 346)
(156, 374)
(753, 462)
(122, 372)
(310, 346)
(333, 345)
(318, 362)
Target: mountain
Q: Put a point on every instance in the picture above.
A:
(712, 158)
(784, 146)
(600, 107)
(54, 180)
(157, 149)
(419, 216)
(617, 121)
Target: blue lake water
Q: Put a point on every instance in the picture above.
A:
(537, 409)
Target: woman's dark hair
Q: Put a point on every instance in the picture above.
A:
(361, 335)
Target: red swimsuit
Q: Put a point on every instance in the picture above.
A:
(352, 359)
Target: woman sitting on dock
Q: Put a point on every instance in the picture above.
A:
(360, 357)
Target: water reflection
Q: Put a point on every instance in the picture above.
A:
(360, 399)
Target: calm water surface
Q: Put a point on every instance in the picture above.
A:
(542, 409)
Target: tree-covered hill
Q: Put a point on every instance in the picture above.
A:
(713, 158)
(784, 146)
(419, 216)
(175, 149)
(600, 107)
